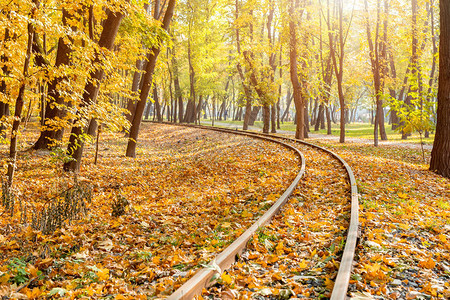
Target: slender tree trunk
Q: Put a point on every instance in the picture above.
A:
(157, 105)
(76, 142)
(247, 92)
(191, 116)
(146, 85)
(383, 70)
(20, 99)
(433, 66)
(320, 118)
(289, 98)
(338, 66)
(148, 108)
(4, 107)
(306, 119)
(298, 101)
(176, 85)
(131, 104)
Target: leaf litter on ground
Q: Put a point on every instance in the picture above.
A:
(404, 251)
(190, 194)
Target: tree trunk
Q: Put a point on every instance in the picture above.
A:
(273, 118)
(306, 119)
(146, 85)
(328, 120)
(20, 99)
(289, 98)
(131, 105)
(298, 101)
(254, 115)
(440, 155)
(176, 85)
(76, 142)
(320, 118)
(248, 101)
(4, 107)
(191, 116)
(148, 108)
(157, 105)
(266, 118)
(50, 134)
(338, 67)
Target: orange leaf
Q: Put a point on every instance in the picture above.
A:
(428, 264)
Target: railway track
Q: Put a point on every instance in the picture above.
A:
(328, 220)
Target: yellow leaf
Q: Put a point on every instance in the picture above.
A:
(272, 258)
(103, 274)
(303, 264)
(329, 284)
(226, 278)
(402, 195)
(280, 248)
(246, 214)
(4, 279)
(119, 297)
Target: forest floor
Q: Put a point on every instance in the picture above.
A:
(189, 193)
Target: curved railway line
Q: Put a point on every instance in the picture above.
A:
(227, 257)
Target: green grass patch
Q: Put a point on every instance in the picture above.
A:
(355, 130)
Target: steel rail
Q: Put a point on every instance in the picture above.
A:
(345, 267)
(342, 280)
(193, 287)
(227, 257)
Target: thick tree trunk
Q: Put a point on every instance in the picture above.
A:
(440, 155)
(328, 120)
(254, 115)
(146, 85)
(51, 134)
(273, 118)
(76, 142)
(266, 118)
